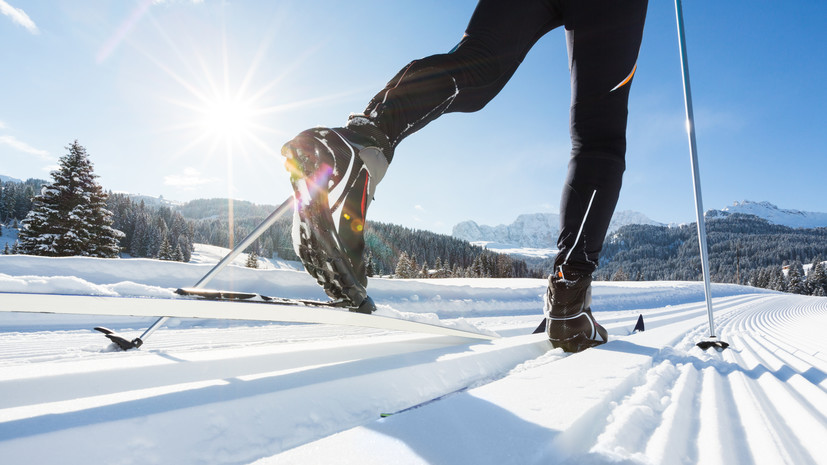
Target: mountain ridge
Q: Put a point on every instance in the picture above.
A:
(540, 230)
(535, 230)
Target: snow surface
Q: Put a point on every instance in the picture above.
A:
(224, 392)
(511, 249)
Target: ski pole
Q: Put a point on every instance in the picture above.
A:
(696, 180)
(235, 252)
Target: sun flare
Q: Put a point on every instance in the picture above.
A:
(228, 118)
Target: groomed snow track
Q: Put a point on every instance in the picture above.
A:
(314, 394)
(649, 398)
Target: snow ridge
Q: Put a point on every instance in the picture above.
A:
(774, 214)
(538, 230)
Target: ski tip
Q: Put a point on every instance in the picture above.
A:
(639, 326)
(103, 330)
(120, 341)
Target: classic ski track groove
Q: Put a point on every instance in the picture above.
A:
(747, 381)
(689, 406)
(681, 405)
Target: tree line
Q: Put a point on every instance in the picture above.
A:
(743, 249)
(72, 215)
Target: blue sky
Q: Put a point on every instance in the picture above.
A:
(193, 99)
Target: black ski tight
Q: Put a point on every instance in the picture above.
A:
(603, 39)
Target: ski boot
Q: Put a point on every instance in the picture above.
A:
(334, 173)
(569, 321)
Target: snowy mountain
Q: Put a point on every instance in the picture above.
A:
(9, 179)
(225, 392)
(535, 232)
(773, 214)
(153, 201)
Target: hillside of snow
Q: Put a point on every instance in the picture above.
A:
(234, 392)
(539, 230)
(533, 235)
(775, 215)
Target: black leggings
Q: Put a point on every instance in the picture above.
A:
(603, 38)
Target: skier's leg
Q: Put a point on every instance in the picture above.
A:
(603, 39)
(335, 171)
(498, 37)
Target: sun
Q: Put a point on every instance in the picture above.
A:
(229, 118)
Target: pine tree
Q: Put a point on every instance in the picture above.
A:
(69, 217)
(404, 270)
(620, 275)
(165, 251)
(817, 278)
(370, 267)
(6, 250)
(438, 271)
(778, 282)
(476, 270)
(795, 279)
(252, 260)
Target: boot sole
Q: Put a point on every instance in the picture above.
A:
(576, 343)
(319, 246)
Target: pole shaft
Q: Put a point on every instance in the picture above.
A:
(255, 234)
(696, 176)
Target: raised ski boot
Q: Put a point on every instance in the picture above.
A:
(569, 321)
(334, 173)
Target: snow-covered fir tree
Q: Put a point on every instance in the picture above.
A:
(69, 217)
(778, 282)
(620, 275)
(369, 265)
(817, 278)
(795, 279)
(252, 260)
(165, 251)
(404, 267)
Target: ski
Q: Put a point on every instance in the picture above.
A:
(215, 294)
(283, 311)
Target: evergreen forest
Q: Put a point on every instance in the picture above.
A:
(743, 249)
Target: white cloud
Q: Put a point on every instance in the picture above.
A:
(189, 179)
(18, 16)
(419, 208)
(21, 146)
